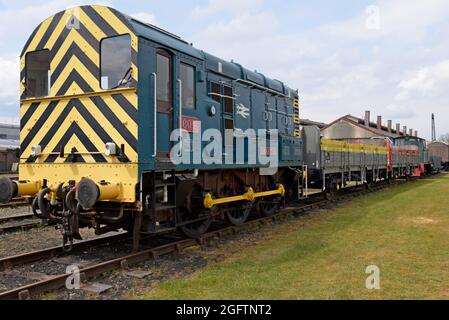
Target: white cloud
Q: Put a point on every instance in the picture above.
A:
(242, 28)
(144, 17)
(9, 120)
(9, 78)
(428, 81)
(225, 6)
(19, 23)
(396, 17)
(395, 111)
(342, 67)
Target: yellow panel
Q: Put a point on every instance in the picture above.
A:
(126, 174)
(103, 93)
(91, 26)
(116, 24)
(296, 104)
(110, 129)
(75, 64)
(122, 115)
(74, 141)
(341, 146)
(44, 129)
(58, 29)
(40, 33)
(74, 116)
(72, 37)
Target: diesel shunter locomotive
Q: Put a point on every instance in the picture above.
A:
(107, 104)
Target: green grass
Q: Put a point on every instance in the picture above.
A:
(403, 230)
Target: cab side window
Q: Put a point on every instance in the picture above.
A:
(164, 80)
(116, 68)
(37, 80)
(188, 86)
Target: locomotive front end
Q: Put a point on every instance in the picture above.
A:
(78, 120)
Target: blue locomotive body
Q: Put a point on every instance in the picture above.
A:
(207, 92)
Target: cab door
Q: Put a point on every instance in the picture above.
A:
(165, 99)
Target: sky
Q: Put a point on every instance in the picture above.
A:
(344, 56)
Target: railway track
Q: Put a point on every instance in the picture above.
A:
(16, 217)
(18, 222)
(10, 262)
(15, 203)
(172, 246)
(22, 226)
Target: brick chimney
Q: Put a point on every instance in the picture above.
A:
(390, 126)
(398, 128)
(367, 118)
(379, 122)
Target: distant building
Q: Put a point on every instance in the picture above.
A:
(357, 128)
(9, 144)
(307, 122)
(9, 132)
(439, 149)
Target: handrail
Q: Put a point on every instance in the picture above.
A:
(155, 114)
(180, 118)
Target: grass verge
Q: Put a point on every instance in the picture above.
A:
(403, 230)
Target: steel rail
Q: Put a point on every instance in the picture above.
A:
(10, 262)
(20, 227)
(16, 202)
(16, 217)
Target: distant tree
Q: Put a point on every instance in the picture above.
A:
(444, 138)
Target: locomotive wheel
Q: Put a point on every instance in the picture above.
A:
(195, 229)
(238, 215)
(270, 208)
(369, 186)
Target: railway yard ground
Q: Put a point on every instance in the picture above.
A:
(322, 254)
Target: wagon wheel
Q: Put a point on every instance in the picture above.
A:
(237, 215)
(331, 189)
(390, 178)
(199, 226)
(271, 207)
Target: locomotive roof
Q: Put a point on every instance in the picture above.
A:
(229, 69)
(214, 64)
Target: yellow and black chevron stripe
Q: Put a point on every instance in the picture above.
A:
(78, 115)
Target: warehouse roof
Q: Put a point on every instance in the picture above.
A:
(376, 128)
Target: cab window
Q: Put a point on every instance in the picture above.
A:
(188, 86)
(164, 79)
(37, 80)
(116, 71)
